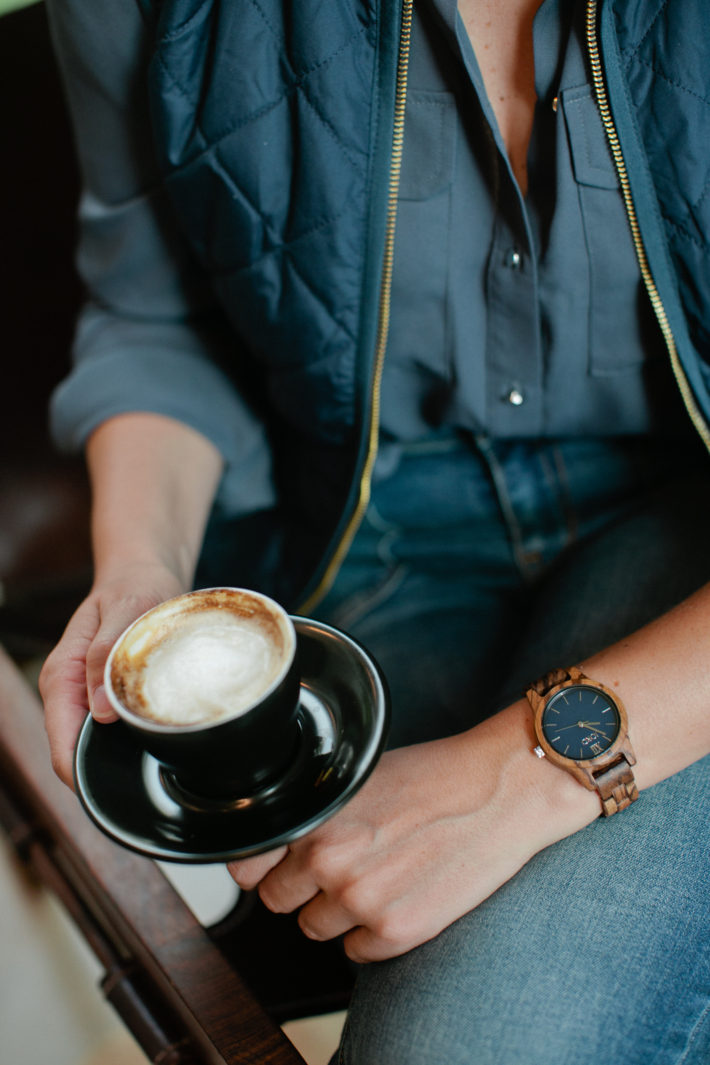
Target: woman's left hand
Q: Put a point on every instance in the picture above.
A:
(436, 829)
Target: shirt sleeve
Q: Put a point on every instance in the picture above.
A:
(150, 337)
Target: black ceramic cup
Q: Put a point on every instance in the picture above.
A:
(209, 681)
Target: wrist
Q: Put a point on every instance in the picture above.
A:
(143, 563)
(549, 802)
(134, 581)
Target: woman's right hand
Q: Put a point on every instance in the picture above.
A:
(153, 482)
(71, 682)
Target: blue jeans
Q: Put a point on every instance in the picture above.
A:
(479, 566)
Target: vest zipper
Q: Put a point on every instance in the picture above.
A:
(384, 303)
(363, 498)
(691, 405)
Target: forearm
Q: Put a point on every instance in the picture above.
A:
(662, 674)
(153, 483)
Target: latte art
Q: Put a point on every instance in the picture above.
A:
(200, 659)
(213, 666)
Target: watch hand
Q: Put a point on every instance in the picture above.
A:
(578, 724)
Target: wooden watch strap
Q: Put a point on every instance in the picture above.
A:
(616, 786)
(548, 681)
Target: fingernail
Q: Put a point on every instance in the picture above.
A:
(99, 705)
(311, 934)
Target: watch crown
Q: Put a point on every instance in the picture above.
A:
(539, 752)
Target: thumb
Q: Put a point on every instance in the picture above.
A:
(113, 624)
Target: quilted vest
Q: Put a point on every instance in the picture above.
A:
(273, 123)
(656, 71)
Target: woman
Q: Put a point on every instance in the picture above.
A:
(461, 439)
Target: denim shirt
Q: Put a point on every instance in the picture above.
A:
(515, 316)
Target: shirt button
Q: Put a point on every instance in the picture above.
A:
(555, 104)
(513, 259)
(515, 397)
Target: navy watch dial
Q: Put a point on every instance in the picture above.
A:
(580, 722)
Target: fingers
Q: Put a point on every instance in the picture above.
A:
(287, 880)
(98, 651)
(323, 919)
(285, 884)
(114, 616)
(363, 945)
(370, 933)
(62, 685)
(249, 872)
(289, 885)
(393, 928)
(374, 926)
(71, 682)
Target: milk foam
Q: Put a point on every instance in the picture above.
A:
(214, 665)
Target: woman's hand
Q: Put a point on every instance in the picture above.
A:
(153, 481)
(71, 682)
(437, 828)
(440, 826)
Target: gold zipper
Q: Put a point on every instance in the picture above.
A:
(373, 428)
(696, 415)
(694, 411)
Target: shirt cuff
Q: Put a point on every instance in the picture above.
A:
(128, 366)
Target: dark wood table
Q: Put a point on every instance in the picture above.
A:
(176, 991)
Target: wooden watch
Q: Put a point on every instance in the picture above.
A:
(582, 727)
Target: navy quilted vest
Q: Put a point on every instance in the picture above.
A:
(658, 76)
(273, 123)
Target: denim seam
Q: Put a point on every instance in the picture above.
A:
(360, 605)
(560, 481)
(501, 491)
(376, 521)
(691, 1037)
(384, 549)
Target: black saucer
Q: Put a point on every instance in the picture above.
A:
(343, 716)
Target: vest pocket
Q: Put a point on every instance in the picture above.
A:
(617, 301)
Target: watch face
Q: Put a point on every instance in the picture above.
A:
(580, 722)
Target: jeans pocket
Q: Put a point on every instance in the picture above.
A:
(348, 612)
(370, 575)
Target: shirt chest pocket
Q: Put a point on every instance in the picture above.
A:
(429, 144)
(422, 239)
(619, 314)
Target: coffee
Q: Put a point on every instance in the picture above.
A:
(201, 658)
